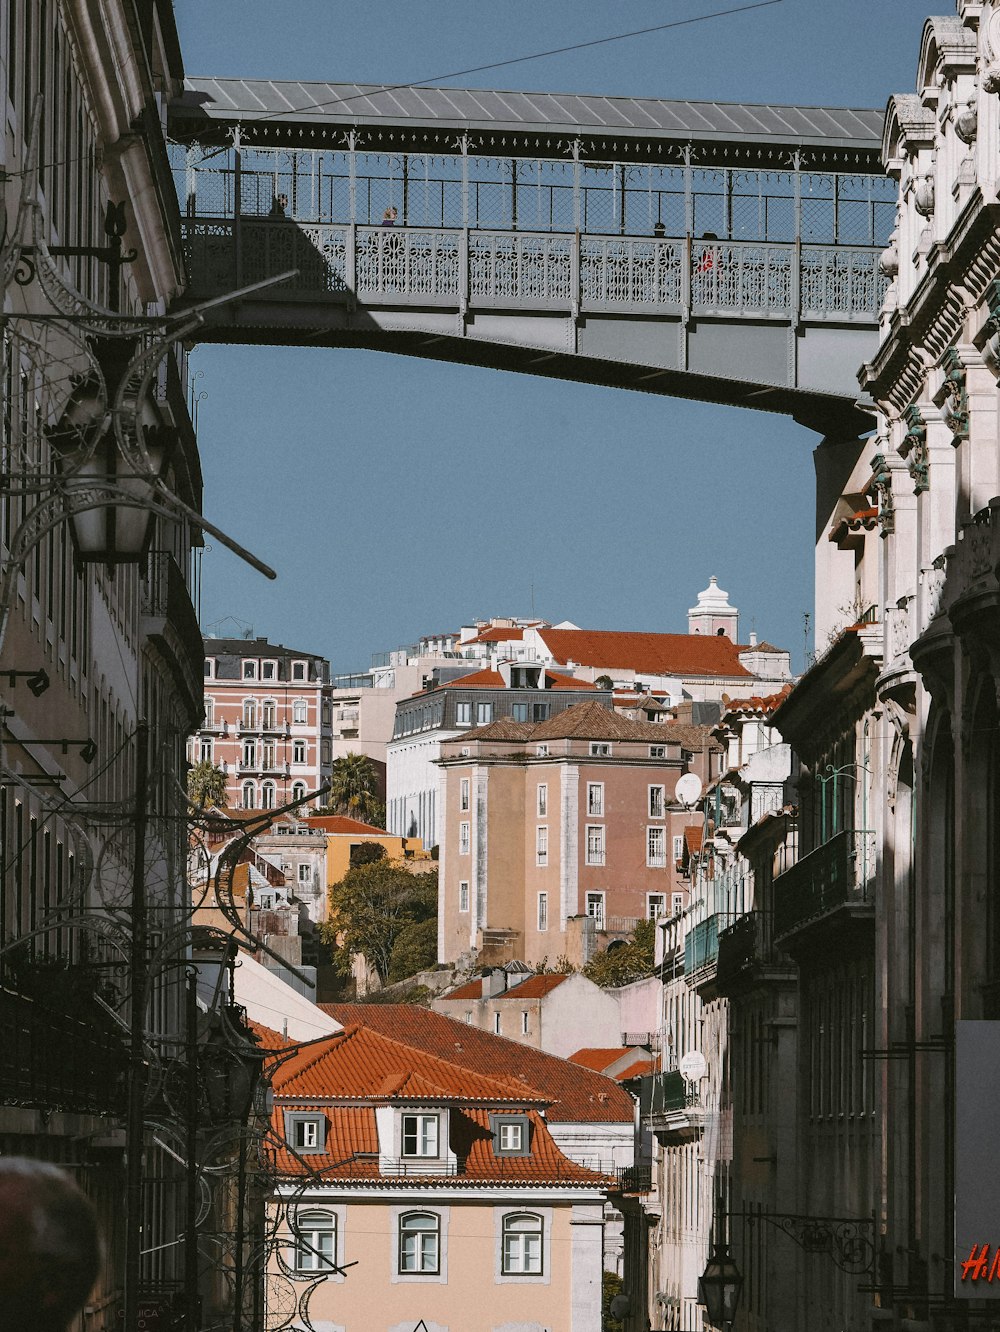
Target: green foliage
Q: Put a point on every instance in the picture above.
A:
(366, 853)
(206, 785)
(375, 909)
(629, 962)
(612, 1287)
(353, 790)
(604, 682)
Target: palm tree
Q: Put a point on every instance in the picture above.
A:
(207, 785)
(354, 787)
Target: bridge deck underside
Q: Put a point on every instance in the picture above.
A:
(776, 326)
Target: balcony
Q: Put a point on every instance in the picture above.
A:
(701, 949)
(833, 883)
(671, 1107)
(748, 957)
(635, 1178)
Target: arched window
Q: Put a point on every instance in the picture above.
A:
(249, 713)
(420, 1242)
(267, 795)
(315, 1236)
(298, 751)
(249, 795)
(300, 710)
(268, 713)
(249, 754)
(522, 1244)
(299, 791)
(209, 713)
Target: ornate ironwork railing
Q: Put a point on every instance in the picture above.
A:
(462, 267)
(635, 1178)
(669, 1093)
(839, 872)
(701, 948)
(745, 946)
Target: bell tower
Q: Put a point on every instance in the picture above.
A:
(713, 613)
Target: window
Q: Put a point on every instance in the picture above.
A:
(524, 1032)
(298, 751)
(249, 670)
(305, 1132)
(522, 1245)
(657, 751)
(595, 845)
(463, 896)
(305, 873)
(249, 757)
(268, 753)
(299, 791)
(315, 1242)
(209, 722)
(656, 847)
(543, 911)
(656, 802)
(205, 750)
(543, 800)
(463, 714)
(676, 903)
(463, 793)
(600, 749)
(208, 667)
(249, 795)
(267, 670)
(656, 905)
(539, 712)
(267, 793)
(511, 1133)
(298, 670)
(496, 1023)
(541, 846)
(268, 712)
(420, 1243)
(249, 714)
(542, 751)
(679, 847)
(420, 1135)
(463, 839)
(595, 798)
(484, 713)
(595, 908)
(520, 712)
(300, 712)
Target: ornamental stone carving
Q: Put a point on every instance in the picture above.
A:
(923, 195)
(967, 122)
(954, 394)
(888, 260)
(914, 449)
(880, 492)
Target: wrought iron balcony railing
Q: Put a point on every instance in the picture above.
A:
(747, 953)
(839, 873)
(701, 948)
(635, 1179)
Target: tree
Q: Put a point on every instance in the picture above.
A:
(613, 1285)
(604, 682)
(377, 910)
(625, 962)
(354, 788)
(207, 785)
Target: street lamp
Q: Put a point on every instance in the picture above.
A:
(720, 1286)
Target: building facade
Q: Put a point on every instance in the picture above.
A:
(266, 723)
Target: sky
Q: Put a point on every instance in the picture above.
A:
(398, 497)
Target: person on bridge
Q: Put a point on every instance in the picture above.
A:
(707, 261)
(279, 205)
(389, 217)
(50, 1250)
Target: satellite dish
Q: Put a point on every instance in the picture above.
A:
(688, 789)
(692, 1066)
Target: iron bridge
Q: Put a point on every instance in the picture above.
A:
(720, 252)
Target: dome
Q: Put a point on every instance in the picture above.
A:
(713, 601)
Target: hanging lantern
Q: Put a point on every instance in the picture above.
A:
(719, 1287)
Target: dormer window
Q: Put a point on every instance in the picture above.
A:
(298, 670)
(267, 670)
(249, 670)
(420, 1135)
(600, 749)
(305, 1133)
(511, 1135)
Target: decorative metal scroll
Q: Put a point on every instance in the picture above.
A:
(849, 1242)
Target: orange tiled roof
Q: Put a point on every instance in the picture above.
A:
(360, 1063)
(490, 679)
(756, 704)
(577, 1095)
(342, 823)
(536, 987)
(471, 990)
(652, 654)
(637, 1070)
(351, 1153)
(496, 635)
(596, 1058)
(693, 837)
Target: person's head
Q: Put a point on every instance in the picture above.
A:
(283, 200)
(390, 215)
(50, 1250)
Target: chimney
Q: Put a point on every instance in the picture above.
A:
(753, 639)
(495, 982)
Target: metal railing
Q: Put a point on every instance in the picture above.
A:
(701, 948)
(635, 1178)
(669, 1093)
(839, 872)
(572, 271)
(746, 944)
(165, 595)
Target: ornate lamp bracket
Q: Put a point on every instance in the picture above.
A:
(880, 490)
(848, 1241)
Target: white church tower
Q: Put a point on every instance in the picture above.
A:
(713, 613)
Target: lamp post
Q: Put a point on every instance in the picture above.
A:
(720, 1287)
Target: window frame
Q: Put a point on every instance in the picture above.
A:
(598, 854)
(600, 749)
(296, 1119)
(300, 705)
(650, 899)
(656, 831)
(597, 897)
(484, 713)
(657, 751)
(463, 896)
(465, 838)
(318, 1262)
(422, 1118)
(521, 1271)
(463, 712)
(542, 845)
(505, 1120)
(464, 794)
(542, 800)
(657, 809)
(595, 800)
(542, 916)
(412, 1214)
(300, 751)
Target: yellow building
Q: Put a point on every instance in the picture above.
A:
(344, 834)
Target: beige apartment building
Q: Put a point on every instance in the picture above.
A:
(571, 818)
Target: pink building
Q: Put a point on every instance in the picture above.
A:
(264, 723)
(574, 817)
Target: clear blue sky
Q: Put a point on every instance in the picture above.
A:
(397, 497)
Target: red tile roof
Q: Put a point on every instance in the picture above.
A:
(637, 1070)
(536, 987)
(756, 704)
(490, 679)
(360, 1063)
(651, 654)
(471, 990)
(596, 1058)
(693, 836)
(341, 823)
(352, 1153)
(496, 636)
(577, 1095)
